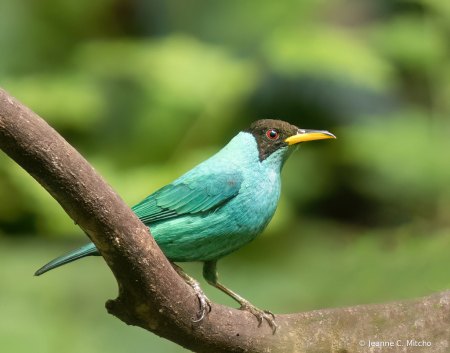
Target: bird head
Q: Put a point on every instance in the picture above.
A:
(278, 136)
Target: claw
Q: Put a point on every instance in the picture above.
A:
(202, 313)
(260, 321)
(270, 313)
(260, 315)
(204, 302)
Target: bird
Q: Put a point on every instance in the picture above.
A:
(218, 206)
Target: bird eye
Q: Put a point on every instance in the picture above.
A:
(272, 134)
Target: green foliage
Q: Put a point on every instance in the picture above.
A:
(327, 52)
(411, 41)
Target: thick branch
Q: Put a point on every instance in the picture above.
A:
(151, 294)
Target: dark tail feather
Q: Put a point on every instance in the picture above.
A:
(86, 250)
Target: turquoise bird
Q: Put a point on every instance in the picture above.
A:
(219, 206)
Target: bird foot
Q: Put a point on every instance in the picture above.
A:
(260, 315)
(205, 303)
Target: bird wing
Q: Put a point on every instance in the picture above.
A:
(189, 196)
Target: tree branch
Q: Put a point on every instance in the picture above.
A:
(154, 297)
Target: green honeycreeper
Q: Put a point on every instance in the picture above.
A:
(219, 206)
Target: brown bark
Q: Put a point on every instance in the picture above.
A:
(151, 294)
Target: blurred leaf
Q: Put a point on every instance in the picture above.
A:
(63, 100)
(50, 217)
(188, 89)
(327, 53)
(411, 41)
(403, 154)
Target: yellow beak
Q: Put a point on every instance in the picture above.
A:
(309, 135)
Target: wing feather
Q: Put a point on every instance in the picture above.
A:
(189, 196)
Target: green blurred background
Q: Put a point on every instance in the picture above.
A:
(147, 89)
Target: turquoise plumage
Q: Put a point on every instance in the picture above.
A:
(219, 206)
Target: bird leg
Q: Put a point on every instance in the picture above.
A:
(205, 303)
(210, 274)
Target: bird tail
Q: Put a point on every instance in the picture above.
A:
(86, 250)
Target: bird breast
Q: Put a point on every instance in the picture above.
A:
(217, 233)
